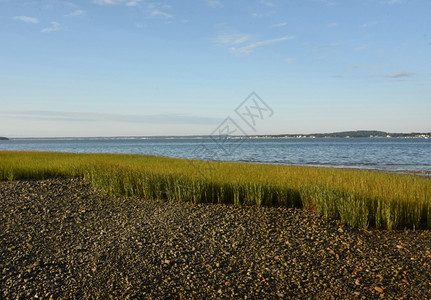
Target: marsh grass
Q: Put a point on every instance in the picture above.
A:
(357, 198)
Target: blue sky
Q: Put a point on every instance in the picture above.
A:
(130, 67)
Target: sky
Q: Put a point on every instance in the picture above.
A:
(141, 68)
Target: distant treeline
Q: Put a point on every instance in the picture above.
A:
(357, 134)
(3, 138)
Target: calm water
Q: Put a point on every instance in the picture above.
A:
(383, 154)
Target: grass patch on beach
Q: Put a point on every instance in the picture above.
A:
(358, 198)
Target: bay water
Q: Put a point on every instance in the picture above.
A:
(390, 154)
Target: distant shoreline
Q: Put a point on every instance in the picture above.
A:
(343, 134)
(359, 134)
(424, 136)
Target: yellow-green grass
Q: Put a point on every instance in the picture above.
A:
(357, 197)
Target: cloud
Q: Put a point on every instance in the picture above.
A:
(238, 42)
(234, 39)
(392, 2)
(26, 19)
(56, 116)
(401, 74)
(267, 3)
(55, 26)
(159, 13)
(150, 9)
(249, 48)
(331, 25)
(361, 48)
(133, 2)
(290, 60)
(214, 3)
(75, 13)
(107, 2)
(279, 25)
(369, 24)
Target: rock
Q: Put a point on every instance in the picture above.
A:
(80, 247)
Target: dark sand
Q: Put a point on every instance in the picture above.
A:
(61, 239)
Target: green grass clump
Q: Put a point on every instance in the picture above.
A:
(357, 198)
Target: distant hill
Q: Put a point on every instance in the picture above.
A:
(360, 134)
(3, 138)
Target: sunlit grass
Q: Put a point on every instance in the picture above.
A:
(357, 198)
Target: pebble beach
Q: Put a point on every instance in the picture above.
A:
(62, 239)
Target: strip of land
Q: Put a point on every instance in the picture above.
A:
(61, 238)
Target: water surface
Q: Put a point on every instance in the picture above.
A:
(393, 154)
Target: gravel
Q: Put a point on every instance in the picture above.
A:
(60, 238)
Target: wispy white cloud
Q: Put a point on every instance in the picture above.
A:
(234, 39)
(401, 74)
(290, 60)
(267, 3)
(159, 13)
(153, 9)
(26, 19)
(392, 2)
(107, 2)
(75, 13)
(369, 24)
(150, 9)
(279, 25)
(55, 26)
(214, 3)
(62, 116)
(245, 50)
(332, 25)
(134, 2)
(360, 48)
